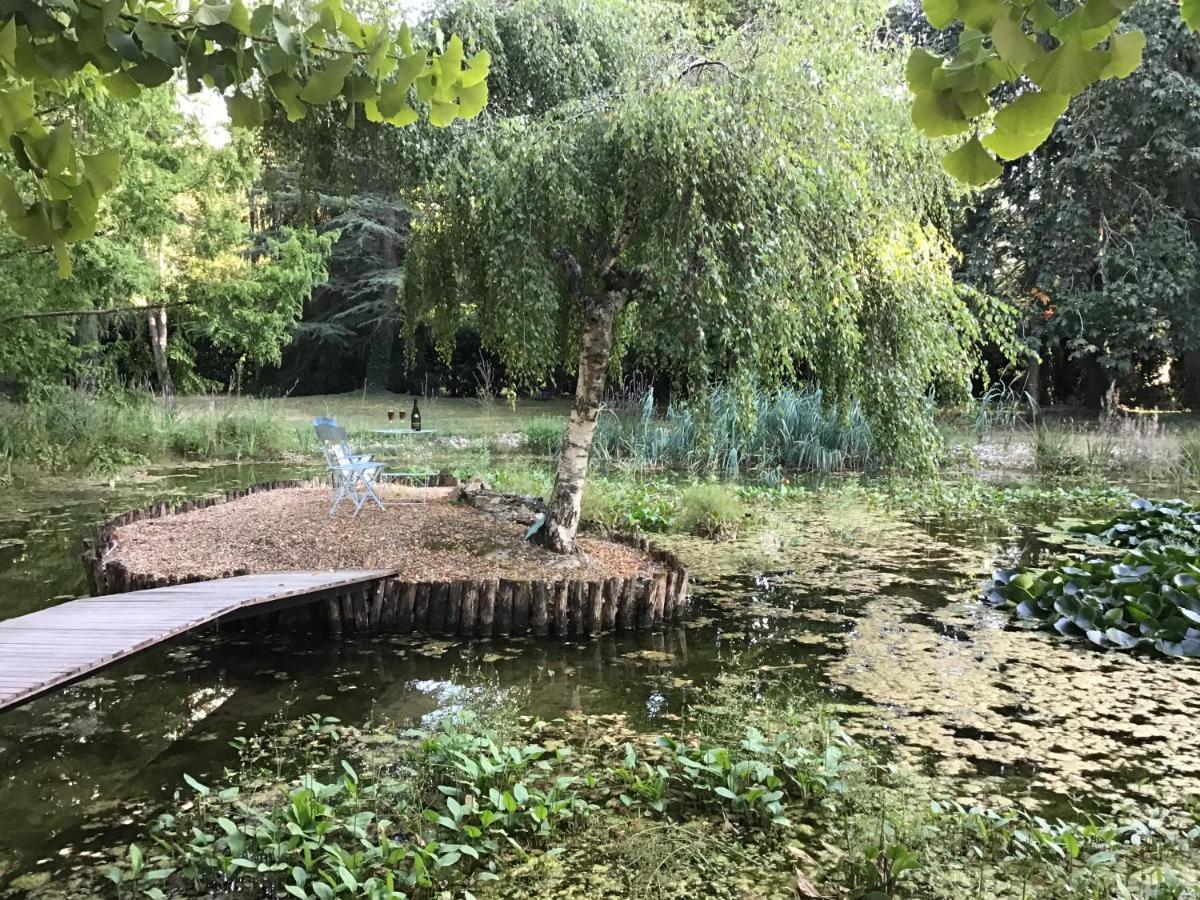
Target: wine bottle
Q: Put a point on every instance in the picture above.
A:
(416, 416)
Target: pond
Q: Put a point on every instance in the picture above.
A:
(830, 591)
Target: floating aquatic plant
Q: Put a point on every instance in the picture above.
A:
(1148, 597)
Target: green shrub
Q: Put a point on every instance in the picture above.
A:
(624, 505)
(526, 482)
(712, 511)
(544, 436)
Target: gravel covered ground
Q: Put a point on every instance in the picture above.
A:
(422, 532)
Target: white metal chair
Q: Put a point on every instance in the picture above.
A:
(354, 477)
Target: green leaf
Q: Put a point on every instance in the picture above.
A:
(1025, 123)
(971, 164)
(158, 42)
(980, 14)
(940, 13)
(937, 115)
(1190, 11)
(239, 17)
(326, 84)
(244, 111)
(102, 169)
(471, 100)
(1068, 70)
(1012, 43)
(919, 69)
(287, 92)
(442, 114)
(8, 43)
(1125, 54)
(1100, 12)
(16, 110)
(152, 72)
(121, 86)
(195, 785)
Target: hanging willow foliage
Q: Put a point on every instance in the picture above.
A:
(772, 215)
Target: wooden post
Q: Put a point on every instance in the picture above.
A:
(540, 615)
(487, 607)
(658, 599)
(612, 599)
(681, 595)
(437, 607)
(421, 607)
(375, 605)
(641, 615)
(454, 599)
(504, 608)
(594, 609)
(468, 622)
(333, 615)
(560, 608)
(408, 598)
(576, 594)
(625, 609)
(521, 613)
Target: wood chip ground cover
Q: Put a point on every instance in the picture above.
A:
(421, 532)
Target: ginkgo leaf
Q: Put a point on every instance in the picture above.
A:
(1098, 12)
(937, 115)
(326, 84)
(1190, 10)
(244, 111)
(442, 114)
(287, 91)
(1067, 70)
(940, 13)
(471, 100)
(1025, 123)
(919, 69)
(971, 164)
(1012, 43)
(1124, 54)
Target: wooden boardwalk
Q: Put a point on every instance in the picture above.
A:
(54, 647)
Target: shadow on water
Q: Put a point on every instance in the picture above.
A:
(831, 594)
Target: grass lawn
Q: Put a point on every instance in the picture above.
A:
(358, 412)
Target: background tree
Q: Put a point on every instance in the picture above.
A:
(690, 212)
(361, 182)
(1095, 234)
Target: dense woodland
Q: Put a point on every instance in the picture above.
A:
(725, 138)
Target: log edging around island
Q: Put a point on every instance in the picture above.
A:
(489, 607)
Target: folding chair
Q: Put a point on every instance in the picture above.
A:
(354, 477)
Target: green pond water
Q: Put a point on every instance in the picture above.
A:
(876, 610)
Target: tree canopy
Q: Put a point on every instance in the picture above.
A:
(1045, 56)
(250, 56)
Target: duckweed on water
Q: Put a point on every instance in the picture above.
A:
(760, 793)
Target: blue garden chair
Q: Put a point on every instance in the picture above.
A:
(354, 476)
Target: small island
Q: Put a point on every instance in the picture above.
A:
(453, 560)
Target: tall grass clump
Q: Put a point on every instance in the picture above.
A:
(544, 435)
(724, 433)
(64, 429)
(712, 511)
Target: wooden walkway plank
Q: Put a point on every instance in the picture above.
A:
(61, 644)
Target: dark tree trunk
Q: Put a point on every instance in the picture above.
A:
(1186, 375)
(156, 318)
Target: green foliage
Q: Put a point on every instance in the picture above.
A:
(1106, 273)
(252, 58)
(624, 504)
(1149, 597)
(729, 432)
(544, 436)
(711, 510)
(716, 211)
(1061, 53)
(66, 430)
(760, 779)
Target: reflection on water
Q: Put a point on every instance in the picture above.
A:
(832, 593)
